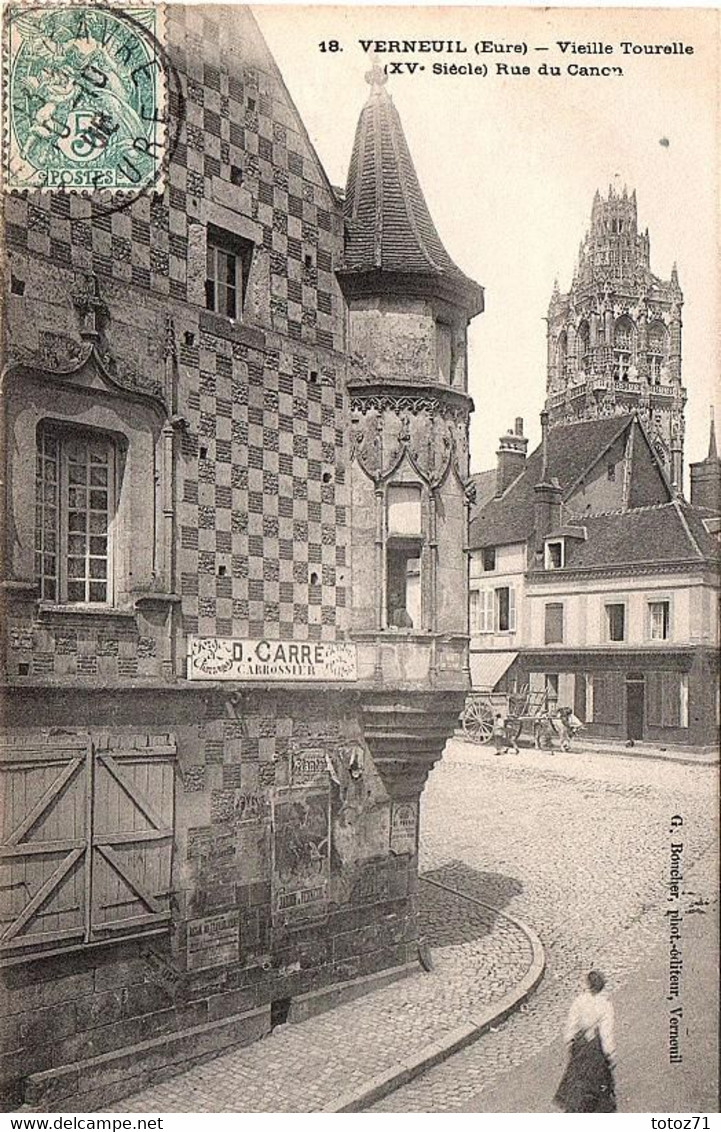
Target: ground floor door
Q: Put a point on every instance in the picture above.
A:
(635, 702)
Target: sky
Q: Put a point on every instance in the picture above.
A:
(509, 165)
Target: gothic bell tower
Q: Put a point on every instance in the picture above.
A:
(614, 340)
(409, 307)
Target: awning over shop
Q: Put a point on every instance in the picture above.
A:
(487, 668)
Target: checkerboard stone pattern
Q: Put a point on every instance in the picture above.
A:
(263, 512)
(262, 504)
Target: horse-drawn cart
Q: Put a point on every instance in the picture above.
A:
(521, 708)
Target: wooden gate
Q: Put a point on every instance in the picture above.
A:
(85, 843)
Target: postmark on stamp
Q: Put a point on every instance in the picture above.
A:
(84, 98)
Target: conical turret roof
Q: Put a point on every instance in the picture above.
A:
(390, 228)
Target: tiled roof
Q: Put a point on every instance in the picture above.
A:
(485, 485)
(572, 449)
(389, 225)
(666, 533)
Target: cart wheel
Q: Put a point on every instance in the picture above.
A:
(478, 721)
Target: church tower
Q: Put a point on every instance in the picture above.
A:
(614, 340)
(409, 307)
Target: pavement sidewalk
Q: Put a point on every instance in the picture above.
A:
(480, 957)
(698, 756)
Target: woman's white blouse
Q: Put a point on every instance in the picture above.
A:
(591, 1012)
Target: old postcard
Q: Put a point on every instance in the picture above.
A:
(360, 560)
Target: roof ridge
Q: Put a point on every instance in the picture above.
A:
(691, 537)
(629, 510)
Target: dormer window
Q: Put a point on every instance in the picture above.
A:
(555, 555)
(488, 558)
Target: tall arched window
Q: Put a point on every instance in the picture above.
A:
(623, 344)
(562, 357)
(657, 345)
(583, 349)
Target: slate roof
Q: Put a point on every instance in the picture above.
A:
(666, 533)
(389, 227)
(485, 485)
(572, 449)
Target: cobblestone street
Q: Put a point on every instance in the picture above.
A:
(575, 845)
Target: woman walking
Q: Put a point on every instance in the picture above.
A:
(587, 1084)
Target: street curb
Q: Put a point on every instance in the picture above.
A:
(401, 1072)
(701, 758)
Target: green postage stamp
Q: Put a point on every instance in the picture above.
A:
(84, 92)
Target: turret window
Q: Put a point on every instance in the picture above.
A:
(445, 353)
(404, 546)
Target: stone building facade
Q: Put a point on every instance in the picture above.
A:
(614, 339)
(234, 587)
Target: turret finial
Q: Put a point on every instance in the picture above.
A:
(376, 78)
(712, 449)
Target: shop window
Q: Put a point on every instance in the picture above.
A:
(505, 609)
(616, 621)
(554, 623)
(403, 583)
(555, 555)
(667, 699)
(488, 558)
(74, 513)
(605, 697)
(659, 620)
(228, 262)
(551, 682)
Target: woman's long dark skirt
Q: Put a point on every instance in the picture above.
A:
(587, 1084)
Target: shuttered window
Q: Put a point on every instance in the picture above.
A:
(85, 844)
(554, 623)
(608, 692)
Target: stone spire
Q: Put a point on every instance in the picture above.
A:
(390, 228)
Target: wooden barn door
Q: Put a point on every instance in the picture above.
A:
(45, 833)
(132, 839)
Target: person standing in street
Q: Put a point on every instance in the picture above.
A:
(499, 734)
(588, 1082)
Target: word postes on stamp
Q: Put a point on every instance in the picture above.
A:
(84, 94)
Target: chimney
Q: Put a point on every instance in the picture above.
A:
(706, 476)
(511, 456)
(548, 494)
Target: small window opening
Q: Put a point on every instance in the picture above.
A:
(251, 104)
(314, 578)
(611, 472)
(222, 570)
(313, 377)
(403, 566)
(236, 175)
(203, 452)
(616, 621)
(489, 558)
(279, 1011)
(326, 477)
(189, 338)
(17, 286)
(23, 668)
